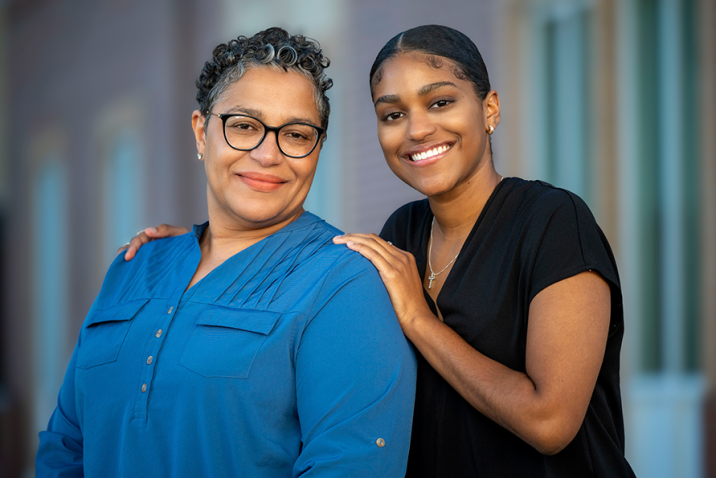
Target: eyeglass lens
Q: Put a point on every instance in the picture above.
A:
(294, 139)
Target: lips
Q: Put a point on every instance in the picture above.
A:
(261, 182)
(417, 155)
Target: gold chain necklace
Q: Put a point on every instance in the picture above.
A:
(434, 274)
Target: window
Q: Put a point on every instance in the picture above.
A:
(123, 192)
(49, 280)
(668, 188)
(566, 125)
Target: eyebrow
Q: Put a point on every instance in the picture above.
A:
(257, 114)
(244, 111)
(392, 99)
(434, 86)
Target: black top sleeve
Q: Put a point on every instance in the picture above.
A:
(567, 241)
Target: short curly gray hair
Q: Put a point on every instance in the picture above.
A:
(273, 47)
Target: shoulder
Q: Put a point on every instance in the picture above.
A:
(537, 210)
(135, 279)
(540, 194)
(552, 198)
(408, 213)
(406, 221)
(540, 204)
(334, 269)
(315, 250)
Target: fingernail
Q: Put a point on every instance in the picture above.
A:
(153, 230)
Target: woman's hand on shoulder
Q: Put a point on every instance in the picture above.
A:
(148, 235)
(398, 271)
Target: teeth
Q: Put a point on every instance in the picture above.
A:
(429, 154)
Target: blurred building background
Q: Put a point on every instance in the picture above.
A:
(613, 99)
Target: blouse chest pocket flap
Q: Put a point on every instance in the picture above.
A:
(104, 332)
(226, 341)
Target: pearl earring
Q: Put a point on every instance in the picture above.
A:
(490, 129)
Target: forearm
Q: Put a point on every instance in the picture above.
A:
(61, 452)
(508, 397)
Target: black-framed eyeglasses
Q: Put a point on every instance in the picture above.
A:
(244, 133)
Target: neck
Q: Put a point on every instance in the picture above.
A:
(223, 239)
(457, 210)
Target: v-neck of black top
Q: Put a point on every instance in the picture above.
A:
(421, 258)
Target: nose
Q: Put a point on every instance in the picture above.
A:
(420, 126)
(267, 153)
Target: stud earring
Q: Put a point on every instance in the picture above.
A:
(199, 156)
(490, 129)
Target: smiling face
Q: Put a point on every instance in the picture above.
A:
(262, 187)
(431, 124)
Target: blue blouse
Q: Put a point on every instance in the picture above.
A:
(286, 360)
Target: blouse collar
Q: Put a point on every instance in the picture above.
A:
(305, 219)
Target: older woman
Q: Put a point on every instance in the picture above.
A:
(507, 288)
(252, 346)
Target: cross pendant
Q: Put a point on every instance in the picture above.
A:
(431, 278)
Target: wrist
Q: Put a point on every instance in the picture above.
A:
(413, 322)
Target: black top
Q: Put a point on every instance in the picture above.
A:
(529, 235)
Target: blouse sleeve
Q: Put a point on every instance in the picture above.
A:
(60, 453)
(355, 381)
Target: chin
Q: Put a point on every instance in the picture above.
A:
(263, 214)
(428, 186)
(260, 218)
